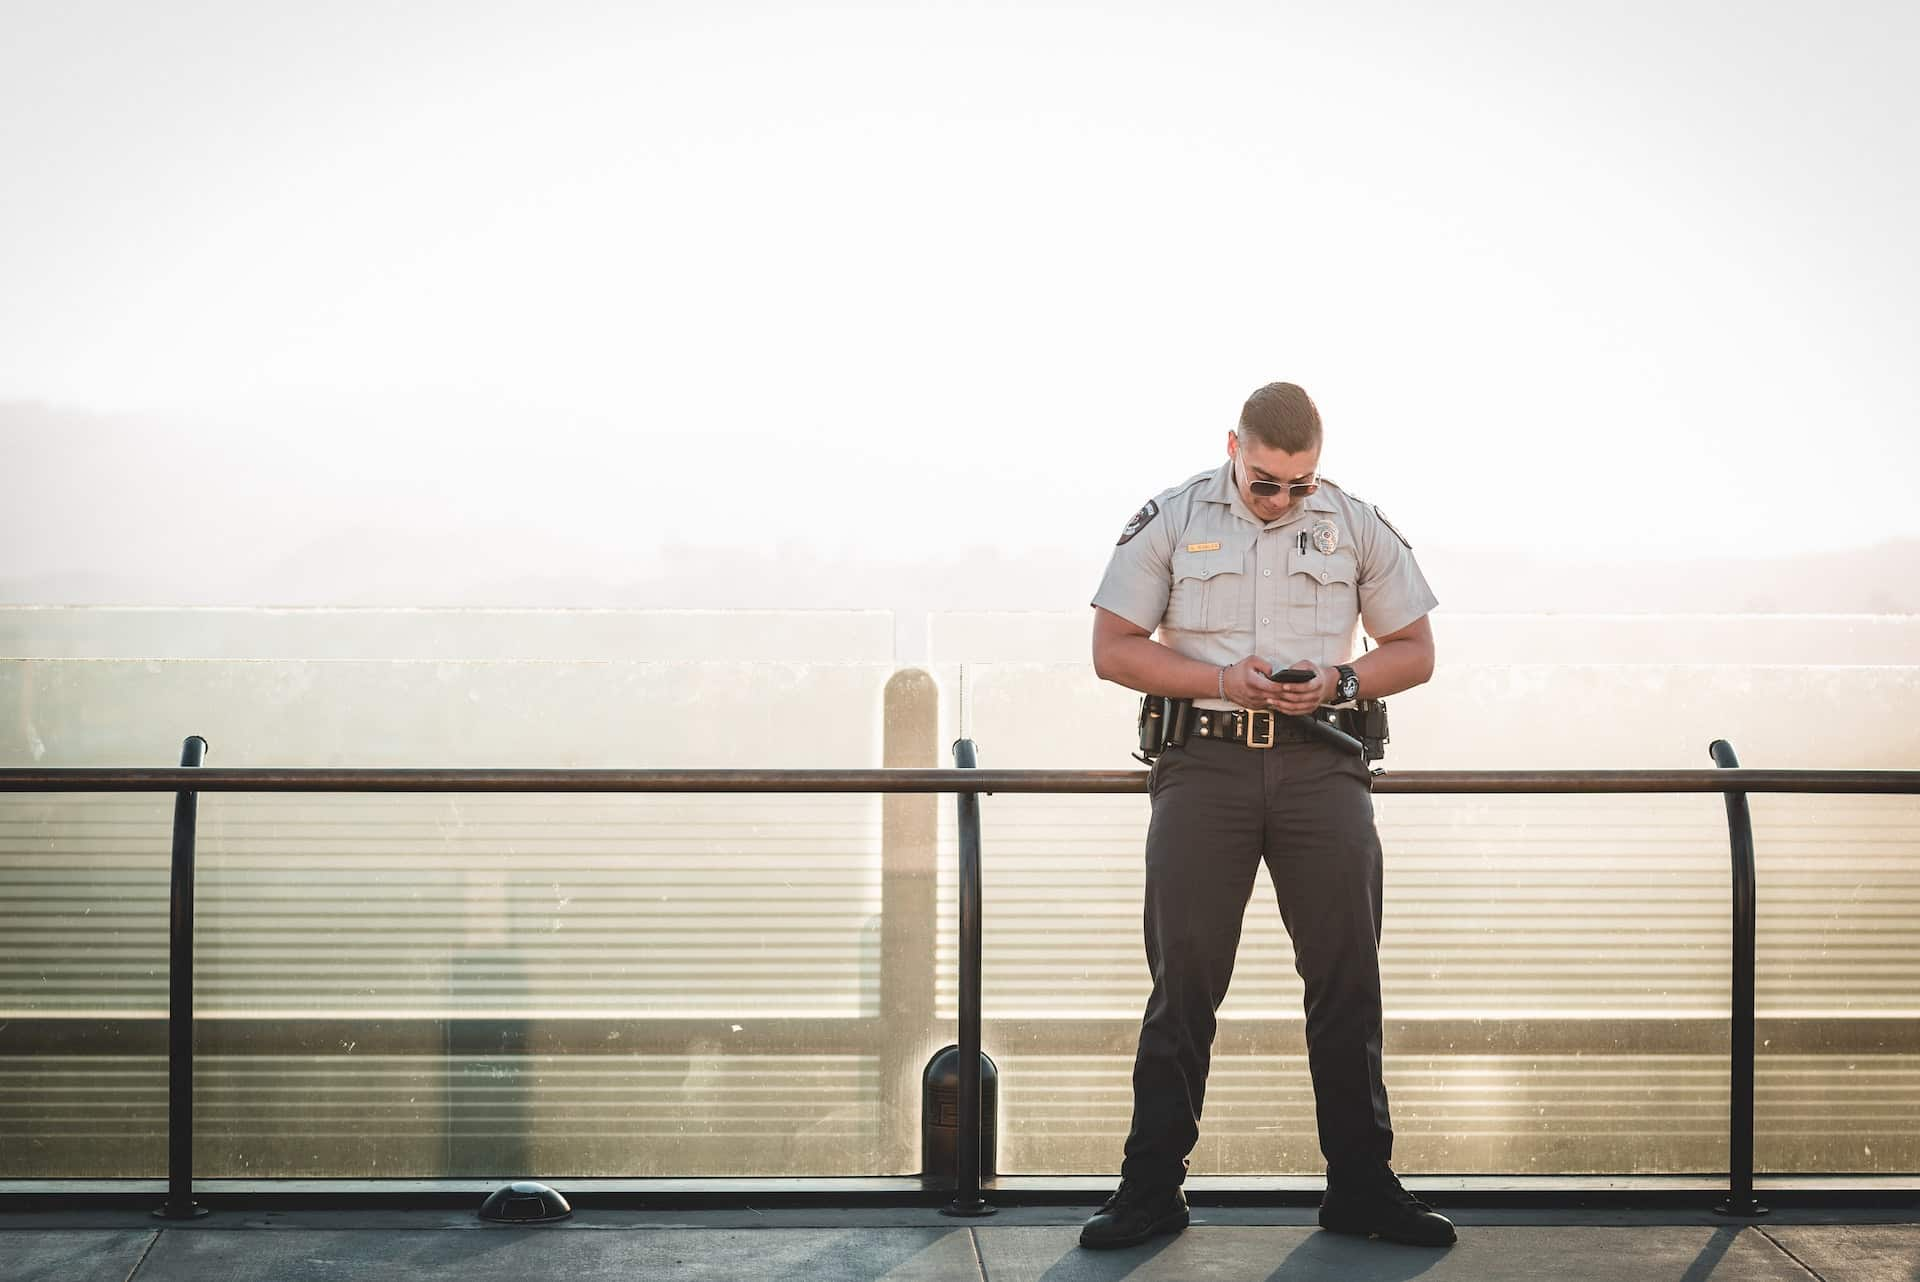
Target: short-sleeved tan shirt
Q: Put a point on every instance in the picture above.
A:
(1218, 584)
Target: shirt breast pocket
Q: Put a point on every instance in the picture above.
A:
(1209, 589)
(1323, 594)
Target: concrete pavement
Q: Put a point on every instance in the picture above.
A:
(1020, 1244)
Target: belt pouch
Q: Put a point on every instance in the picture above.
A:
(1370, 726)
(1153, 725)
(1179, 716)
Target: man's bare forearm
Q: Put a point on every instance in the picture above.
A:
(1143, 664)
(1392, 667)
(1137, 661)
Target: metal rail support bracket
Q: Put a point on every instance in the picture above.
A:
(1745, 914)
(966, 1195)
(180, 1204)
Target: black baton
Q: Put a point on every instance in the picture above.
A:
(1331, 735)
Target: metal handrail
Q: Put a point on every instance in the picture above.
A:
(967, 783)
(274, 779)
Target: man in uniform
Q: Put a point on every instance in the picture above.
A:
(1258, 565)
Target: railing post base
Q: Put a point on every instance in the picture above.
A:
(972, 1208)
(192, 1211)
(1746, 1208)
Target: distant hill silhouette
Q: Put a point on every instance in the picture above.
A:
(123, 514)
(373, 567)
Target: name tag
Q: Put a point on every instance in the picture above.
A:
(1203, 547)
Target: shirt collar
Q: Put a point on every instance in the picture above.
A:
(1221, 489)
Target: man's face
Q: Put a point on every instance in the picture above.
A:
(1253, 461)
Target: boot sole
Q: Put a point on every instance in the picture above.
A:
(1171, 1224)
(1362, 1230)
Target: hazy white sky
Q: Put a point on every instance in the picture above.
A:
(1585, 278)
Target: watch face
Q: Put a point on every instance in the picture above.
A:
(1349, 686)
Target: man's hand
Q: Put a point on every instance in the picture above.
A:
(1249, 687)
(1246, 683)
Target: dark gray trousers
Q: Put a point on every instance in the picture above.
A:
(1218, 809)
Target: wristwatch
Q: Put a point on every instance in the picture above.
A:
(1347, 689)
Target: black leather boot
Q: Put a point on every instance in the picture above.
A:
(1135, 1213)
(1371, 1202)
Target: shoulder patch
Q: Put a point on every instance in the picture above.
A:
(1141, 519)
(1389, 524)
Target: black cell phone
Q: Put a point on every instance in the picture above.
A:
(1291, 676)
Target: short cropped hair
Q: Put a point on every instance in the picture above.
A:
(1281, 416)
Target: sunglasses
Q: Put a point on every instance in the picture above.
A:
(1294, 489)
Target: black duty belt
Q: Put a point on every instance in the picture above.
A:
(1259, 729)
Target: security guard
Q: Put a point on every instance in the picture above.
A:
(1258, 565)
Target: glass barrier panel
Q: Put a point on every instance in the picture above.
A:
(464, 984)
(1554, 968)
(83, 978)
(1837, 1052)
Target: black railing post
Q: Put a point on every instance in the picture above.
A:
(1745, 920)
(966, 1194)
(180, 1204)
